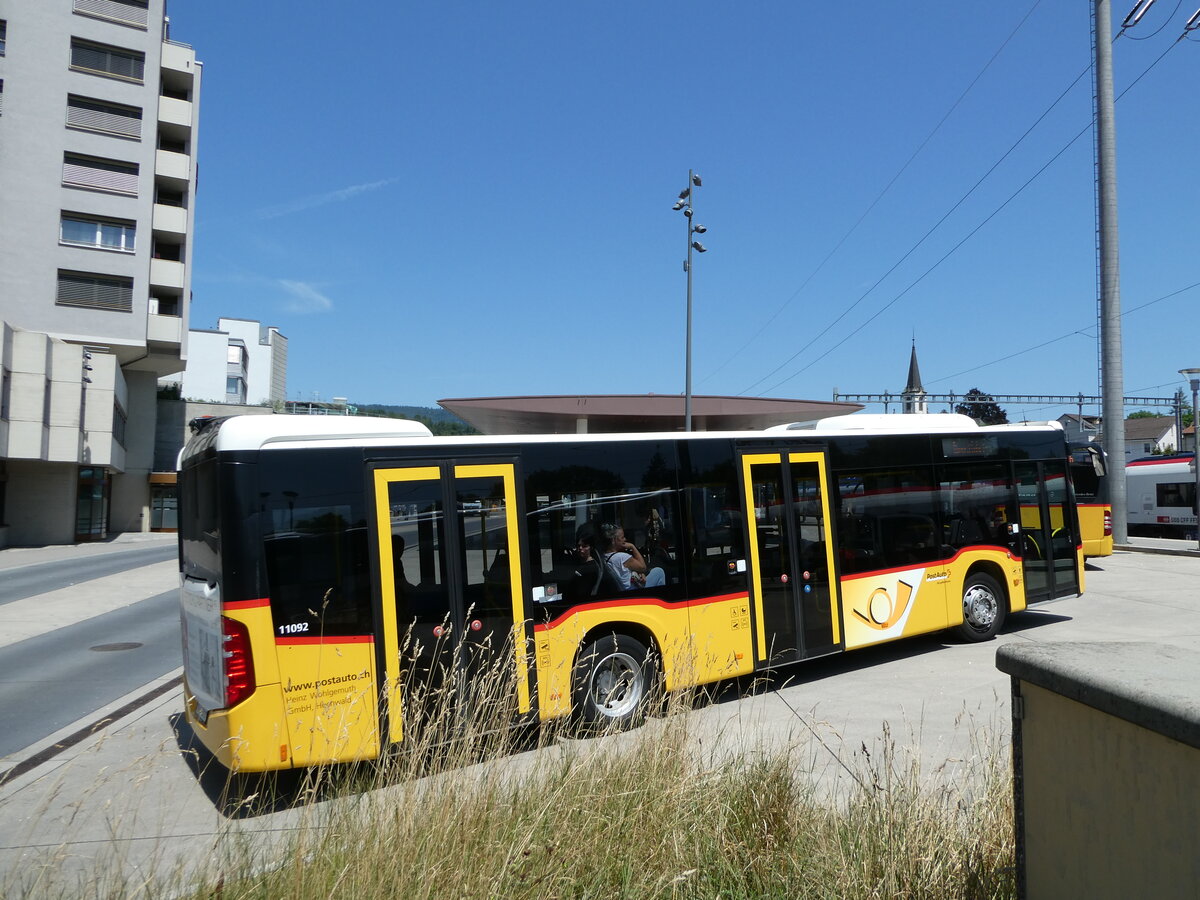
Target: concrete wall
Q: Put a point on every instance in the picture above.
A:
(41, 502)
(1111, 809)
(1107, 759)
(28, 437)
(130, 506)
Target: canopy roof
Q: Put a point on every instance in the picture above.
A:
(621, 413)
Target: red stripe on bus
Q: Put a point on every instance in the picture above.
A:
(257, 603)
(637, 601)
(326, 639)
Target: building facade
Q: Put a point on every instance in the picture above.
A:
(240, 361)
(98, 131)
(1150, 435)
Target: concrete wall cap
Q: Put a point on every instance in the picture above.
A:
(1151, 685)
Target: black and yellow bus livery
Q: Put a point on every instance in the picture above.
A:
(324, 559)
(1089, 475)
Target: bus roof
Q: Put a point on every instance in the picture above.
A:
(903, 423)
(283, 431)
(256, 432)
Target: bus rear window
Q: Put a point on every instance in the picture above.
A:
(315, 544)
(199, 520)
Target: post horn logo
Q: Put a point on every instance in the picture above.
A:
(882, 612)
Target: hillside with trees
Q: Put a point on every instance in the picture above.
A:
(436, 419)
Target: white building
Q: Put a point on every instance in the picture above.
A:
(98, 128)
(240, 362)
(1149, 435)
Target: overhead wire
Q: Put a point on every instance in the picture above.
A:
(926, 235)
(853, 228)
(970, 234)
(956, 246)
(1081, 331)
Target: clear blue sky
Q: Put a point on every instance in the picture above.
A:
(472, 199)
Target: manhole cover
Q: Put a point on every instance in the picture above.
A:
(120, 645)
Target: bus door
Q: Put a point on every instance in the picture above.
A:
(1048, 530)
(450, 583)
(790, 542)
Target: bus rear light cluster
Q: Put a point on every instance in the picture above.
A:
(1108, 523)
(239, 662)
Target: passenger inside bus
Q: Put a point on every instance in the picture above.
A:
(626, 561)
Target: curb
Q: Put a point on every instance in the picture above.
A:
(23, 766)
(1161, 551)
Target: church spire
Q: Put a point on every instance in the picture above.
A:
(914, 391)
(914, 385)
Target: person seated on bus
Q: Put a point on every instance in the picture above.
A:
(588, 576)
(626, 562)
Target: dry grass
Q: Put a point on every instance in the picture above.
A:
(468, 809)
(643, 814)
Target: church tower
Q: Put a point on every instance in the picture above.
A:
(914, 392)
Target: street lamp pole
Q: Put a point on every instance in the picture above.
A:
(1193, 376)
(685, 203)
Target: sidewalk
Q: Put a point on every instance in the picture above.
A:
(18, 557)
(1159, 545)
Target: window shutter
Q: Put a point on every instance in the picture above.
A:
(106, 175)
(110, 60)
(95, 291)
(92, 115)
(133, 13)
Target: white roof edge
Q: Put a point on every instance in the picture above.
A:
(903, 423)
(281, 431)
(255, 432)
(885, 422)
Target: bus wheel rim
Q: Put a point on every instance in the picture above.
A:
(615, 685)
(980, 606)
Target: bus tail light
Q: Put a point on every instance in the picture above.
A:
(1108, 523)
(239, 662)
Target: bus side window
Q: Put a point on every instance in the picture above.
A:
(975, 498)
(572, 491)
(888, 517)
(715, 525)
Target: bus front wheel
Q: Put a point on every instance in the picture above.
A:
(984, 607)
(615, 677)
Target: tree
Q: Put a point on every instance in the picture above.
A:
(1142, 414)
(982, 408)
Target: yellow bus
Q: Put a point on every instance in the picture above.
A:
(325, 559)
(1089, 474)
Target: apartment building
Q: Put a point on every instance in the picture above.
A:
(241, 361)
(98, 130)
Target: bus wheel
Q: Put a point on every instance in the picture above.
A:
(984, 607)
(615, 676)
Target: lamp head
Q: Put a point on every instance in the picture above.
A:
(699, 247)
(678, 205)
(699, 229)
